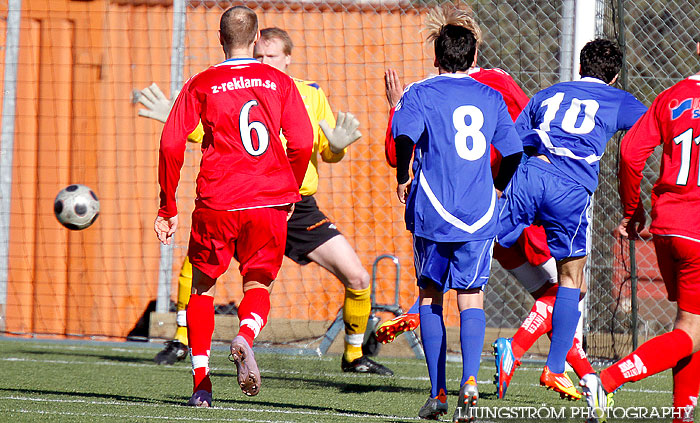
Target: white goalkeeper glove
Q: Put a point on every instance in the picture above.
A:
(157, 104)
(344, 133)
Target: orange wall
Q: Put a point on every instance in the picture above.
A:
(80, 62)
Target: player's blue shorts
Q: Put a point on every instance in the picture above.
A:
(539, 193)
(453, 265)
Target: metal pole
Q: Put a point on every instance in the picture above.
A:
(622, 41)
(584, 28)
(633, 292)
(634, 277)
(7, 144)
(566, 65)
(177, 60)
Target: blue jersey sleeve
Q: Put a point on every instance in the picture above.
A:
(408, 116)
(631, 110)
(524, 121)
(506, 138)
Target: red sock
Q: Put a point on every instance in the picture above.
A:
(576, 357)
(200, 328)
(655, 355)
(686, 385)
(538, 322)
(252, 313)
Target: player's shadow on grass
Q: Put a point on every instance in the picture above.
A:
(90, 354)
(92, 395)
(368, 385)
(269, 405)
(483, 394)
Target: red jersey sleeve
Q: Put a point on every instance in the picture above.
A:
(501, 81)
(635, 148)
(183, 119)
(297, 129)
(515, 97)
(389, 145)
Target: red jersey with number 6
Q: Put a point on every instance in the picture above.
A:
(673, 120)
(243, 105)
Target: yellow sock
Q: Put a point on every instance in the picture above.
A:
(356, 309)
(184, 288)
(181, 335)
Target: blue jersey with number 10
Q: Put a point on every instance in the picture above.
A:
(453, 120)
(571, 123)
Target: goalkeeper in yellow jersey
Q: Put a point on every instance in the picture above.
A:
(311, 236)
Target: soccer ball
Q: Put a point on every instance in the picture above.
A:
(76, 207)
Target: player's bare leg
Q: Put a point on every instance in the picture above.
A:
(565, 316)
(338, 257)
(690, 324)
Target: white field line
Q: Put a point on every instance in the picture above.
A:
(363, 417)
(129, 417)
(149, 349)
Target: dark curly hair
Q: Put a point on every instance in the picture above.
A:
(455, 47)
(602, 59)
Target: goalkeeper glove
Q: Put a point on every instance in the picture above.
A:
(344, 133)
(157, 104)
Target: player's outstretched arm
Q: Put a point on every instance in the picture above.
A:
(158, 107)
(157, 104)
(635, 148)
(346, 131)
(393, 87)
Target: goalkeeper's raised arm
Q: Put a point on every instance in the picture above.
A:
(158, 107)
(157, 104)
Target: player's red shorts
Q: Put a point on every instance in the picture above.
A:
(531, 247)
(255, 237)
(679, 263)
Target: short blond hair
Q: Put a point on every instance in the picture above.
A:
(275, 33)
(239, 26)
(440, 17)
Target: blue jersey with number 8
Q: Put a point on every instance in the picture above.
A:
(571, 123)
(453, 120)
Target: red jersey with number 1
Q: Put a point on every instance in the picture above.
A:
(242, 105)
(673, 120)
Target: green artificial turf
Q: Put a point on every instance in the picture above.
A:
(100, 382)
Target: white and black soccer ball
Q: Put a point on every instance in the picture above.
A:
(76, 207)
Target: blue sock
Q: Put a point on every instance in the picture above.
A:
(565, 317)
(432, 332)
(471, 337)
(414, 307)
